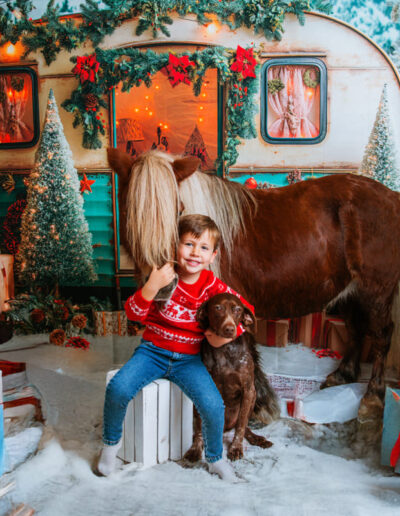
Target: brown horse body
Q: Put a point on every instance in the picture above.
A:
(333, 241)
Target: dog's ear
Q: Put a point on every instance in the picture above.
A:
(202, 316)
(249, 321)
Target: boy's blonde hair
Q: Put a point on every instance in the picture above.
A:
(196, 225)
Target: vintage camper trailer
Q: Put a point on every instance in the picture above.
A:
(317, 95)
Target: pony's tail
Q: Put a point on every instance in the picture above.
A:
(267, 407)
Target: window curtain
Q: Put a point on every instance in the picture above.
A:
(13, 104)
(292, 106)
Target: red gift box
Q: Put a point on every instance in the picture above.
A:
(273, 333)
(307, 330)
(335, 335)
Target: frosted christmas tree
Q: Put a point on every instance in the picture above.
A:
(379, 160)
(195, 146)
(56, 247)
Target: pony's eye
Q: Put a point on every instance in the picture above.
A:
(237, 309)
(218, 308)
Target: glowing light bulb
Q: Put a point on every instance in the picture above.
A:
(211, 28)
(147, 97)
(165, 126)
(201, 107)
(204, 94)
(201, 120)
(150, 113)
(157, 87)
(136, 110)
(10, 49)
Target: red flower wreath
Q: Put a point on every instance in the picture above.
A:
(244, 62)
(177, 69)
(86, 67)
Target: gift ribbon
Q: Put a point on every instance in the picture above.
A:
(316, 323)
(104, 323)
(271, 334)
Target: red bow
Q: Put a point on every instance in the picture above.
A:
(244, 63)
(177, 69)
(86, 67)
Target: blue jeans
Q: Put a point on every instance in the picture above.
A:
(149, 363)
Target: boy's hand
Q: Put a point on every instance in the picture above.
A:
(158, 279)
(215, 340)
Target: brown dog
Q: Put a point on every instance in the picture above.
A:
(235, 369)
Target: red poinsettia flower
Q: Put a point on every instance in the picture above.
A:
(86, 67)
(244, 63)
(178, 69)
(77, 342)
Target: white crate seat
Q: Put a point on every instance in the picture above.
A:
(158, 425)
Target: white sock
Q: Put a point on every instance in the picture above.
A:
(107, 460)
(224, 470)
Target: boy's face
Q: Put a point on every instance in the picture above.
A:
(194, 255)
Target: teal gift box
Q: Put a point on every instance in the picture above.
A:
(390, 451)
(1, 440)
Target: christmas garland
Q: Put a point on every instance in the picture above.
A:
(104, 70)
(53, 33)
(308, 80)
(275, 86)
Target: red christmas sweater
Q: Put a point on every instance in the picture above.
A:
(172, 325)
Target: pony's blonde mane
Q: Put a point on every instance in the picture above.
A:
(152, 209)
(153, 202)
(224, 201)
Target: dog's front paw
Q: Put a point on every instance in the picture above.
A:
(235, 451)
(193, 454)
(262, 442)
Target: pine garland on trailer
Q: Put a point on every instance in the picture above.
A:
(54, 32)
(105, 69)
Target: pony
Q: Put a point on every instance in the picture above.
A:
(316, 244)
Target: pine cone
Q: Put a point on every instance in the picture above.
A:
(57, 337)
(37, 316)
(91, 101)
(79, 321)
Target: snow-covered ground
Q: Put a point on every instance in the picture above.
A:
(310, 470)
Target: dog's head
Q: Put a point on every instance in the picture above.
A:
(222, 313)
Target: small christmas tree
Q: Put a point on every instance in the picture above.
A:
(55, 240)
(379, 160)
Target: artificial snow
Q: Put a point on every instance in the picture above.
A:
(310, 470)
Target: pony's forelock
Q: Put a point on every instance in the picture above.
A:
(223, 201)
(152, 210)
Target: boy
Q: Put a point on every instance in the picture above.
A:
(170, 347)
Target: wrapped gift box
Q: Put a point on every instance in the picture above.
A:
(110, 323)
(310, 331)
(335, 335)
(6, 279)
(273, 333)
(390, 449)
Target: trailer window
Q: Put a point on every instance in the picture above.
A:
(170, 118)
(19, 118)
(294, 101)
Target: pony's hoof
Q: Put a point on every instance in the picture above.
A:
(369, 420)
(371, 408)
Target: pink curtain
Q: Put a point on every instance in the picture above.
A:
(13, 127)
(292, 106)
